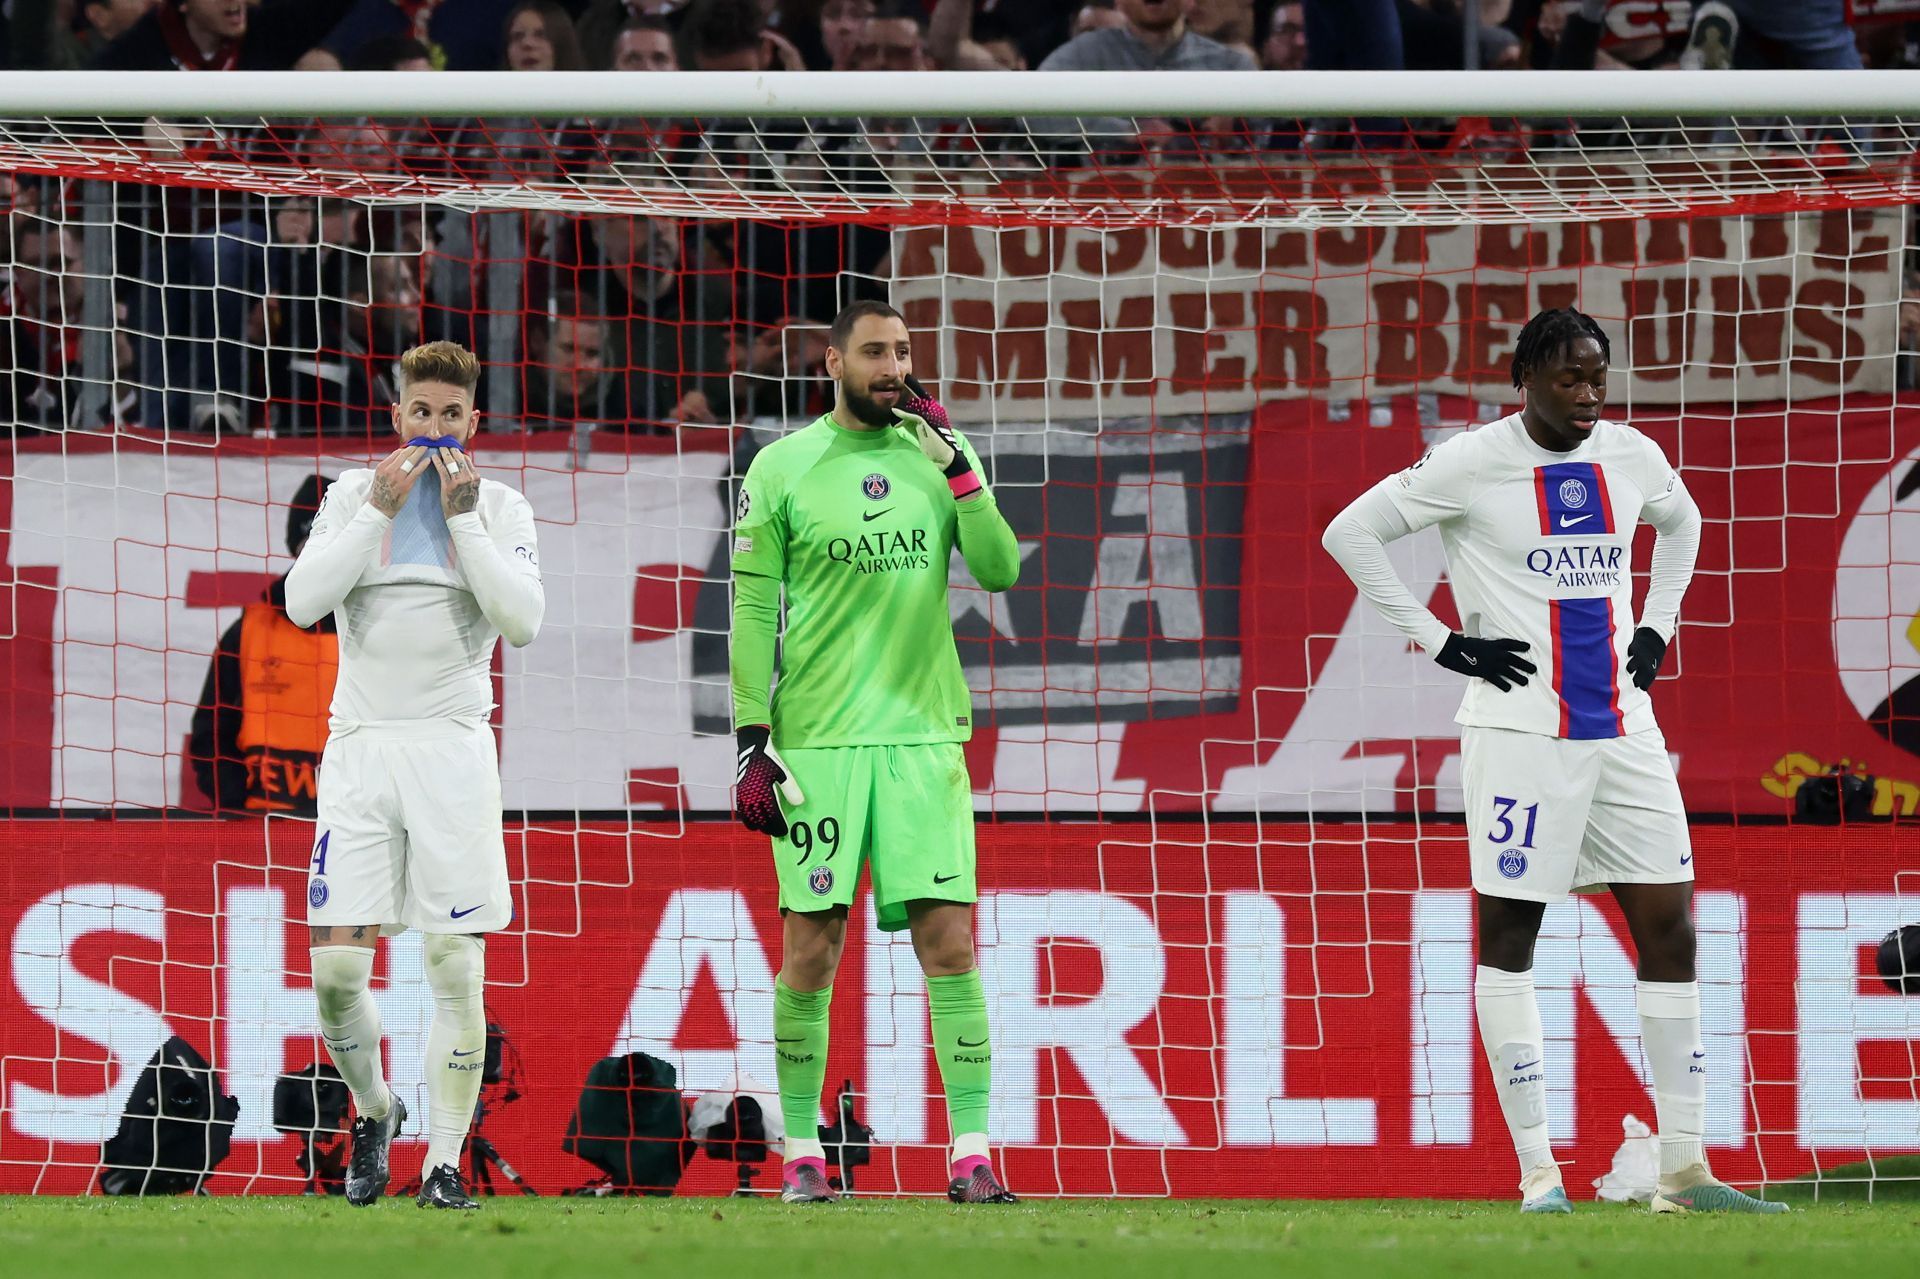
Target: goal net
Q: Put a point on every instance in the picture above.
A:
(1225, 924)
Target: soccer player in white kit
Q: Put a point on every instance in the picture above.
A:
(425, 566)
(1568, 783)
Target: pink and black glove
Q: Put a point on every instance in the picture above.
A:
(760, 781)
(926, 417)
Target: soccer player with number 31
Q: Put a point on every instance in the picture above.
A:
(1568, 783)
(857, 515)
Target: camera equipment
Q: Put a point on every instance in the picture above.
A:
(849, 1142)
(312, 1104)
(500, 1076)
(631, 1124)
(175, 1130)
(1898, 959)
(1833, 797)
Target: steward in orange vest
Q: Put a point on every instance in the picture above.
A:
(262, 720)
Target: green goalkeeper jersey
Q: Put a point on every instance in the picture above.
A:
(859, 527)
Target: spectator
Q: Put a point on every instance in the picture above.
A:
(601, 22)
(461, 35)
(1153, 35)
(896, 40)
(214, 363)
(732, 35)
(261, 723)
(841, 22)
(45, 35)
(959, 41)
(40, 323)
(645, 44)
(343, 335)
(568, 381)
(1809, 35)
(782, 372)
(1285, 45)
(221, 35)
(539, 36)
(666, 324)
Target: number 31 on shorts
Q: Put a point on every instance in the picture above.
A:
(1513, 855)
(1503, 823)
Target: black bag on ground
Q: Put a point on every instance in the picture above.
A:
(176, 1128)
(630, 1124)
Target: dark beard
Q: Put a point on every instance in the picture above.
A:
(866, 409)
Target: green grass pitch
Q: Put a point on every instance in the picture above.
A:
(289, 1238)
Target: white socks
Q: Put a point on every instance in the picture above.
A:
(350, 1024)
(456, 1045)
(1509, 1018)
(1670, 1034)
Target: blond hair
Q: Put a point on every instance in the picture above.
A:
(447, 362)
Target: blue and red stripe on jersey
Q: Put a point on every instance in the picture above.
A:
(1572, 497)
(1586, 670)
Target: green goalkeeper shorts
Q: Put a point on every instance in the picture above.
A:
(906, 812)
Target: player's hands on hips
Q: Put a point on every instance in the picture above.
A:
(459, 482)
(1496, 661)
(1645, 651)
(761, 781)
(393, 478)
(926, 418)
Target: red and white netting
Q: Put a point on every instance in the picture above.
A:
(1185, 319)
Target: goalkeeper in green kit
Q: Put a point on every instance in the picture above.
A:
(856, 516)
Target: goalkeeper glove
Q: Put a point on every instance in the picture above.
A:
(1645, 651)
(1496, 661)
(926, 418)
(761, 780)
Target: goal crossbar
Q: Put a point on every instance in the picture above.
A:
(987, 95)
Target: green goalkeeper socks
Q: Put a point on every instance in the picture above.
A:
(958, 1006)
(800, 1054)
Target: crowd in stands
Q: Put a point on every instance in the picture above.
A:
(246, 313)
(906, 35)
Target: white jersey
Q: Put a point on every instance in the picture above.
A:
(419, 599)
(1539, 548)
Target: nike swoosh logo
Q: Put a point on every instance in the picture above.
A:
(868, 517)
(941, 879)
(1568, 521)
(1528, 1065)
(462, 914)
(973, 1043)
(1686, 859)
(468, 1053)
(1699, 1056)
(797, 1039)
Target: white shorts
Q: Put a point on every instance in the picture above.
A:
(409, 832)
(1547, 816)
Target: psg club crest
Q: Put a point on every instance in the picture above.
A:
(741, 507)
(317, 894)
(820, 880)
(1513, 862)
(1572, 493)
(876, 487)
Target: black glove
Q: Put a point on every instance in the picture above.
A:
(1496, 661)
(1645, 651)
(760, 781)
